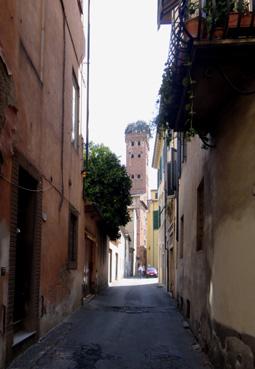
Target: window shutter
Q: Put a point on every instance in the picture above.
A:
(155, 219)
(179, 162)
(172, 177)
(160, 170)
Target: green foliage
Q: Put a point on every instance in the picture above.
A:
(193, 7)
(108, 185)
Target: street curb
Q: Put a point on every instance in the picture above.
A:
(87, 299)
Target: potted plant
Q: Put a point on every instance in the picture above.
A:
(216, 17)
(193, 20)
(240, 16)
(243, 7)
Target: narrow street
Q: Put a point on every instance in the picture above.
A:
(132, 325)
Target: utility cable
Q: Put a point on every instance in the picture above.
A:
(24, 188)
(232, 85)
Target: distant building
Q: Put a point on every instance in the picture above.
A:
(96, 245)
(120, 257)
(152, 230)
(137, 151)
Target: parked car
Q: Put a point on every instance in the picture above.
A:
(151, 272)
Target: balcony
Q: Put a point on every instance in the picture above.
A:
(211, 60)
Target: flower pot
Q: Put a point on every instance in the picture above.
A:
(192, 27)
(233, 20)
(246, 20)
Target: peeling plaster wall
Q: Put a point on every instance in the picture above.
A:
(219, 280)
(4, 263)
(37, 62)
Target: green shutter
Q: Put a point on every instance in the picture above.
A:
(155, 219)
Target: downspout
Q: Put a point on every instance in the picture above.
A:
(88, 75)
(63, 107)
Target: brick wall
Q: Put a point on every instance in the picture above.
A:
(137, 161)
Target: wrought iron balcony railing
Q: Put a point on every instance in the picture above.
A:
(205, 22)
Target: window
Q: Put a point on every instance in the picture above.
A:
(181, 237)
(156, 195)
(132, 143)
(188, 309)
(75, 113)
(200, 215)
(132, 155)
(155, 219)
(139, 143)
(138, 176)
(139, 155)
(132, 176)
(73, 240)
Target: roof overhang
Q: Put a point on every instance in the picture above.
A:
(158, 147)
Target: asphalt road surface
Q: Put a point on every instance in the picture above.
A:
(131, 325)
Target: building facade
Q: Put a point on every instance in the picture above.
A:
(165, 161)
(120, 257)
(41, 205)
(152, 230)
(96, 251)
(212, 111)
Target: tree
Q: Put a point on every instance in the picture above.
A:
(108, 185)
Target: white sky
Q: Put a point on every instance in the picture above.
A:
(128, 53)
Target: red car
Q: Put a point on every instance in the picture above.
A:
(151, 272)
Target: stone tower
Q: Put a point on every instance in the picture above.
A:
(137, 151)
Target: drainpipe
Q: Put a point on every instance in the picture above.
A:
(88, 75)
(165, 208)
(63, 107)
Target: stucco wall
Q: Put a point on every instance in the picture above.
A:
(152, 234)
(232, 301)
(118, 259)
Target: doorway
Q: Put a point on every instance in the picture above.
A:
(172, 272)
(91, 259)
(26, 288)
(116, 265)
(110, 266)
